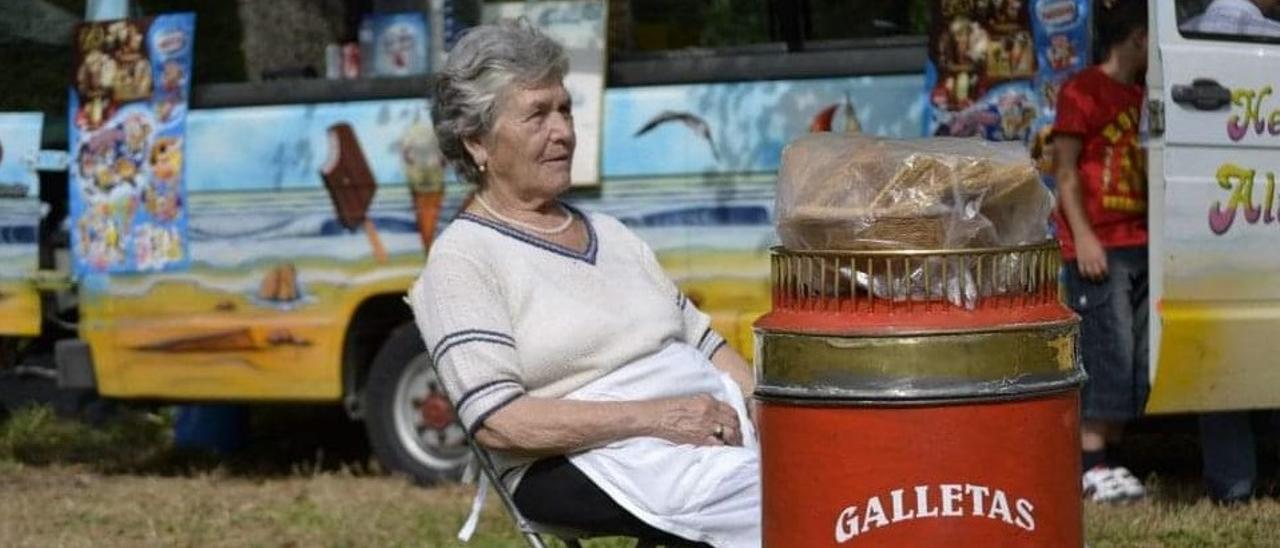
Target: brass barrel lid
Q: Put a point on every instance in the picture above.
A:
(897, 369)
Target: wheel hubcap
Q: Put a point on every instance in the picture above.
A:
(425, 422)
(436, 412)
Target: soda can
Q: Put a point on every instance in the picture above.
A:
(351, 60)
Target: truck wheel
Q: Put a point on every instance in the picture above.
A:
(408, 417)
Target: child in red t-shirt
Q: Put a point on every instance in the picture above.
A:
(1102, 225)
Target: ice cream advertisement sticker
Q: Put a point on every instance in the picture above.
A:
(128, 109)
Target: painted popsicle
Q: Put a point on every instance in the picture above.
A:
(350, 183)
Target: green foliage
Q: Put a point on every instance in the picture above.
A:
(1189, 8)
(219, 56)
(918, 16)
(733, 22)
(841, 19)
(75, 7)
(37, 78)
(36, 436)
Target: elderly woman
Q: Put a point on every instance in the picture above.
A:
(606, 398)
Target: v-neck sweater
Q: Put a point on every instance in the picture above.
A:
(505, 313)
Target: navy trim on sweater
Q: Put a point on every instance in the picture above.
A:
(588, 256)
(459, 333)
(717, 348)
(466, 398)
(471, 335)
(485, 416)
(703, 339)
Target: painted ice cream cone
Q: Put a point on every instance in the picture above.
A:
(427, 207)
(423, 168)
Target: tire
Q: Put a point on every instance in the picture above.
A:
(408, 417)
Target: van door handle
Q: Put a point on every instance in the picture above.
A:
(1202, 94)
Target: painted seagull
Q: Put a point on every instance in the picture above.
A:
(825, 120)
(698, 125)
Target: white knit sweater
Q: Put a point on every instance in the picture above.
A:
(505, 313)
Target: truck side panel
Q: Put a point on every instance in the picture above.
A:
(276, 278)
(1215, 212)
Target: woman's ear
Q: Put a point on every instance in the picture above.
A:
(479, 154)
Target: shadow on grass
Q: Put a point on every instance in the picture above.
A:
(1165, 451)
(283, 441)
(293, 440)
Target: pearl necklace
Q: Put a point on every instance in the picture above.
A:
(568, 221)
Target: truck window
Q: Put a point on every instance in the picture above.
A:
(654, 25)
(1230, 20)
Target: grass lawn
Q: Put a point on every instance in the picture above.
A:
(63, 484)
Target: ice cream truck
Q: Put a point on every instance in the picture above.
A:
(307, 206)
(294, 282)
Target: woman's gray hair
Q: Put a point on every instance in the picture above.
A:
(481, 68)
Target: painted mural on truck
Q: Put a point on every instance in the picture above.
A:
(741, 127)
(281, 261)
(20, 214)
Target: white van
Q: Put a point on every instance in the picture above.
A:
(1214, 150)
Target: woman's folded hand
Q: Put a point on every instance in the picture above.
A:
(696, 420)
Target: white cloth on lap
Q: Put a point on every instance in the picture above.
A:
(704, 493)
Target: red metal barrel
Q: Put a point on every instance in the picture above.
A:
(919, 399)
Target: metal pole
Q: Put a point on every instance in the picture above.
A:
(104, 10)
(487, 468)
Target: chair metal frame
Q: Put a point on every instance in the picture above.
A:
(531, 530)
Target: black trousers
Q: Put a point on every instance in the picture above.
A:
(555, 492)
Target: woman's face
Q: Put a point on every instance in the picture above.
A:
(531, 146)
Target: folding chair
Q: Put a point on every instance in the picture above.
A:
(531, 530)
